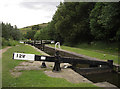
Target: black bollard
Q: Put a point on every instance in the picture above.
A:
(43, 65)
(56, 67)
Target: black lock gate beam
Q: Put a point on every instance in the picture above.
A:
(82, 61)
(57, 59)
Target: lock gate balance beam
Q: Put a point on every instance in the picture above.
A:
(57, 59)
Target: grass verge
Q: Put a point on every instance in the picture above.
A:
(110, 48)
(92, 53)
(35, 78)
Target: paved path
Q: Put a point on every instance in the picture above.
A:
(69, 75)
(106, 85)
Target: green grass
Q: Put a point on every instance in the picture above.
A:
(3, 47)
(91, 53)
(9, 42)
(25, 30)
(39, 79)
(111, 48)
(35, 78)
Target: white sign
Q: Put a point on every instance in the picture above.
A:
(23, 56)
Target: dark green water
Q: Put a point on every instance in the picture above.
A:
(111, 77)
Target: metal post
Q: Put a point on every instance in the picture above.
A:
(56, 67)
(58, 43)
(110, 63)
(34, 42)
(41, 44)
(43, 63)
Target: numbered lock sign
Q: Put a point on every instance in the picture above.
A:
(23, 56)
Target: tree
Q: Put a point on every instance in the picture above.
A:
(104, 22)
(72, 21)
(35, 27)
(30, 34)
(10, 32)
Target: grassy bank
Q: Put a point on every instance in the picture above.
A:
(88, 51)
(35, 78)
(110, 48)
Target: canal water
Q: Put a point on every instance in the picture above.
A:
(111, 77)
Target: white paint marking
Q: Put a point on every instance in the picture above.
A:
(21, 42)
(52, 42)
(43, 58)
